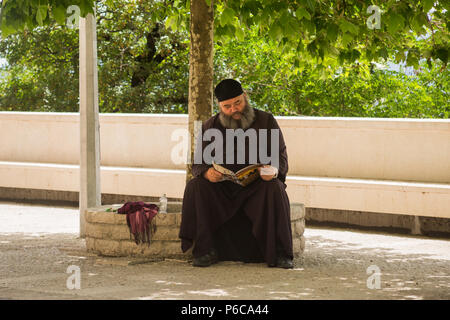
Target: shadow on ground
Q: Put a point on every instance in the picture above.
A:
(334, 266)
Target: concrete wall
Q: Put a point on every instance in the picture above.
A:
(388, 166)
(362, 148)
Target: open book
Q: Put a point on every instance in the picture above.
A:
(243, 177)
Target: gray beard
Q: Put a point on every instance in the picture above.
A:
(246, 120)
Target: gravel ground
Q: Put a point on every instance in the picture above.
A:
(39, 243)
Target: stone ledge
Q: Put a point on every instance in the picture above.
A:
(121, 248)
(298, 246)
(297, 211)
(100, 216)
(298, 227)
(121, 232)
(107, 233)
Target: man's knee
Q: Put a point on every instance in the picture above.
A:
(193, 181)
(275, 184)
(196, 183)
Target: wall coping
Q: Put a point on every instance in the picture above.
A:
(435, 124)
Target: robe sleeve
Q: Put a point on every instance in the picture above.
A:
(283, 157)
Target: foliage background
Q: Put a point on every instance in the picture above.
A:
(143, 57)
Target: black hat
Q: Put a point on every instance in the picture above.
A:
(228, 89)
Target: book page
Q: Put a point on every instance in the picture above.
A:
(243, 177)
(248, 168)
(223, 170)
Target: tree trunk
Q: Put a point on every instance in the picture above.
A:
(200, 70)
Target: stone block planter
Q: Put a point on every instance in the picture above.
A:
(107, 233)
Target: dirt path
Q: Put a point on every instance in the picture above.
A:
(36, 250)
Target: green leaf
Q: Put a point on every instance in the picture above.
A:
(333, 51)
(347, 26)
(311, 4)
(240, 34)
(332, 32)
(312, 47)
(227, 17)
(422, 19)
(416, 23)
(309, 26)
(41, 14)
(395, 23)
(86, 6)
(427, 5)
(59, 13)
(321, 53)
(346, 39)
(446, 5)
(427, 53)
(442, 54)
(354, 55)
(228, 31)
(412, 60)
(172, 22)
(7, 30)
(300, 46)
(383, 53)
(294, 27)
(302, 13)
(399, 56)
(275, 31)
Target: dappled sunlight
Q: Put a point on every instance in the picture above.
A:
(414, 297)
(289, 295)
(37, 220)
(211, 293)
(169, 283)
(335, 265)
(165, 294)
(407, 264)
(375, 243)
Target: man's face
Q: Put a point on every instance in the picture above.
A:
(233, 107)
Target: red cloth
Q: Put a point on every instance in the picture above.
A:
(139, 217)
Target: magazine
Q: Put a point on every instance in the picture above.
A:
(242, 177)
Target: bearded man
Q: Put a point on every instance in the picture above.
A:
(224, 220)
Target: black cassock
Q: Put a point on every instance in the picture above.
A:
(250, 224)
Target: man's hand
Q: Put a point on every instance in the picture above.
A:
(212, 175)
(268, 177)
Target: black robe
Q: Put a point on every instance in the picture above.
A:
(250, 224)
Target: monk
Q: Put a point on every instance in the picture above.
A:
(223, 220)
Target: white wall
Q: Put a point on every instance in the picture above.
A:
(378, 165)
(385, 149)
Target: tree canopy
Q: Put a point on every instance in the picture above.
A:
(331, 32)
(325, 32)
(294, 57)
(18, 15)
